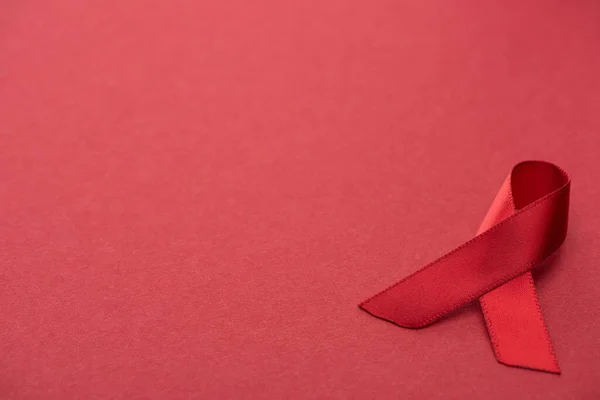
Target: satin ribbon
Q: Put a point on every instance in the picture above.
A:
(525, 224)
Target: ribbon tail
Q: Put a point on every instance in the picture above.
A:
(517, 330)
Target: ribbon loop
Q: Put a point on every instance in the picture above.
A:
(525, 224)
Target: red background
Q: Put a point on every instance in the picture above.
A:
(195, 196)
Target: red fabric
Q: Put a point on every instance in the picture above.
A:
(526, 223)
(195, 195)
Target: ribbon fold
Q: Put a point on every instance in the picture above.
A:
(525, 224)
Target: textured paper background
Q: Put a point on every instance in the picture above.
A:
(194, 195)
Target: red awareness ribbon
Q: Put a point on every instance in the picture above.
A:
(525, 224)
